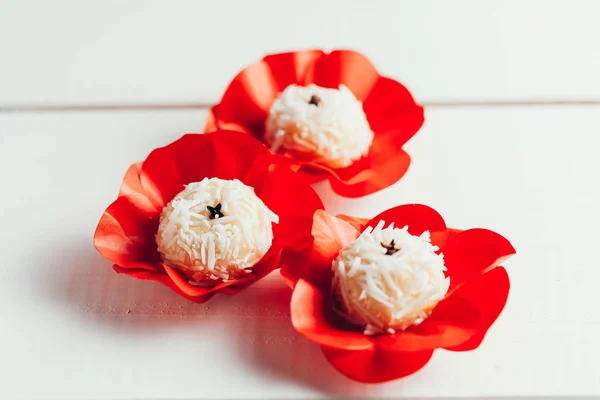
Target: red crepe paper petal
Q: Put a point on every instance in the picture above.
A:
(292, 67)
(132, 185)
(329, 234)
(382, 168)
(131, 181)
(290, 267)
(293, 200)
(454, 321)
(213, 123)
(489, 292)
(164, 279)
(376, 366)
(441, 238)
(391, 111)
(183, 285)
(311, 318)
(458, 323)
(357, 223)
(126, 232)
(473, 252)
(198, 291)
(260, 174)
(418, 217)
(248, 98)
(267, 264)
(306, 265)
(348, 68)
(225, 155)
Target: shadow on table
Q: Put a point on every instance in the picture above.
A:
(77, 279)
(270, 343)
(80, 282)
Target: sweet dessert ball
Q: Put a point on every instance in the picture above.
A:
(387, 279)
(325, 126)
(215, 230)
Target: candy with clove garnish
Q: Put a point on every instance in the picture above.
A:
(215, 230)
(317, 124)
(388, 280)
(215, 212)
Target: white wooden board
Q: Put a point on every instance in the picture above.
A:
(186, 51)
(73, 329)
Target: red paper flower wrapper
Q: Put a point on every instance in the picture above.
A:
(126, 232)
(478, 292)
(391, 111)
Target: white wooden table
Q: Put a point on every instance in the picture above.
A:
(510, 143)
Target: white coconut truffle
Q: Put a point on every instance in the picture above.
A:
(387, 279)
(215, 230)
(326, 126)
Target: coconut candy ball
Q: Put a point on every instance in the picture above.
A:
(317, 124)
(215, 230)
(388, 280)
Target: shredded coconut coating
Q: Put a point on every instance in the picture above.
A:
(326, 126)
(384, 286)
(220, 248)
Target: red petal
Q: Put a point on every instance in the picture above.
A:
(291, 264)
(177, 282)
(183, 285)
(352, 69)
(161, 177)
(489, 292)
(329, 235)
(381, 168)
(440, 238)
(395, 118)
(392, 111)
(236, 154)
(247, 100)
(125, 233)
(211, 120)
(419, 219)
(221, 154)
(245, 103)
(291, 68)
(166, 280)
(375, 365)
(132, 185)
(473, 252)
(264, 267)
(288, 196)
(392, 114)
(453, 321)
(259, 175)
(214, 122)
(356, 222)
(197, 291)
(310, 313)
(131, 181)
(307, 265)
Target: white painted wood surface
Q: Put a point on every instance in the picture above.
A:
(71, 328)
(186, 51)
